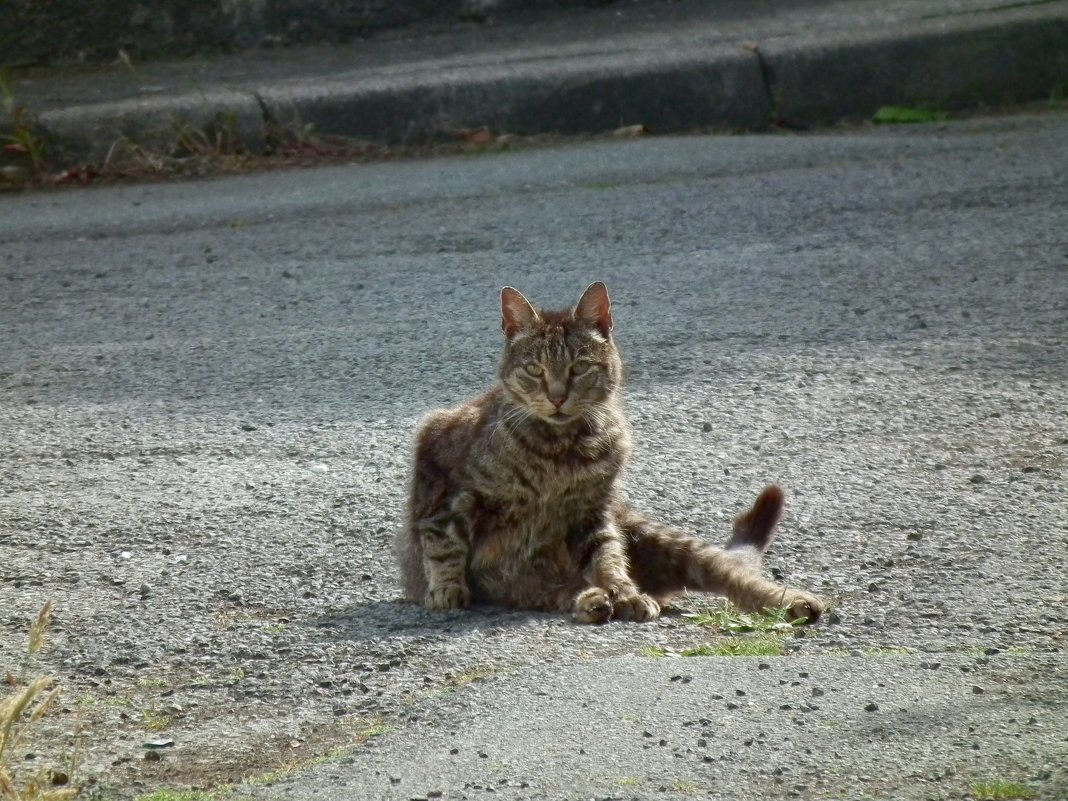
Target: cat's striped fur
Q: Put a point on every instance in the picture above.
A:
(516, 497)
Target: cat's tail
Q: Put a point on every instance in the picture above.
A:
(665, 561)
(756, 528)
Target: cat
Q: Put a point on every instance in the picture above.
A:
(515, 498)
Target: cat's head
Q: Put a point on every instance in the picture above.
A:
(560, 365)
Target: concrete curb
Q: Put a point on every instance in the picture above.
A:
(991, 58)
(995, 59)
(719, 86)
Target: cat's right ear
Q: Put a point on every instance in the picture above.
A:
(516, 312)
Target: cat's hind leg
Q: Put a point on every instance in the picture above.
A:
(665, 561)
(444, 541)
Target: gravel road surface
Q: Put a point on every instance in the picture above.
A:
(207, 393)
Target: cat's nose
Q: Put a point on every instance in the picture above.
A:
(558, 402)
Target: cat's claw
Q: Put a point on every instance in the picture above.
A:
(593, 606)
(803, 606)
(639, 608)
(452, 596)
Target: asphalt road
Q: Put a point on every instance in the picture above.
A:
(208, 391)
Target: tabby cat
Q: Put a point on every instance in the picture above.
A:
(516, 498)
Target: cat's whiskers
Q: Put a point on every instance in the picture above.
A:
(511, 420)
(599, 414)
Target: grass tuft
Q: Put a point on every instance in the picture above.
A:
(464, 677)
(997, 790)
(761, 645)
(184, 795)
(729, 619)
(18, 712)
(37, 628)
(898, 115)
(750, 634)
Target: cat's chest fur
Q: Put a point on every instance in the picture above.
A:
(538, 497)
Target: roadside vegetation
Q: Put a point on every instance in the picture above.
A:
(28, 701)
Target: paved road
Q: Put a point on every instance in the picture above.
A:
(208, 391)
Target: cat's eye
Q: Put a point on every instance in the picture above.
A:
(581, 366)
(533, 369)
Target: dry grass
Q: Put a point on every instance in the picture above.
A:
(29, 701)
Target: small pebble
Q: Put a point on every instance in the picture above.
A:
(872, 707)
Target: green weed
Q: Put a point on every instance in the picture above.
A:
(997, 790)
(186, 795)
(761, 645)
(153, 719)
(898, 115)
(729, 619)
(885, 650)
(20, 138)
(465, 677)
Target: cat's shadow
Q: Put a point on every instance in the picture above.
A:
(396, 619)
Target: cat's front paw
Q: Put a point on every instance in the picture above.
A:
(639, 608)
(593, 606)
(803, 606)
(451, 596)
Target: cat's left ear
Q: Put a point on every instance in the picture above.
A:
(595, 308)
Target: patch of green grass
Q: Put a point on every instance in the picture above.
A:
(464, 677)
(729, 619)
(654, 651)
(628, 781)
(898, 115)
(997, 790)
(236, 675)
(376, 730)
(91, 699)
(760, 645)
(154, 720)
(686, 788)
(885, 650)
(186, 795)
(152, 684)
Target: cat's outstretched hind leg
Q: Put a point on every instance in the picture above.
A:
(665, 561)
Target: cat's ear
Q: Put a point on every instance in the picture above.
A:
(516, 312)
(595, 308)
